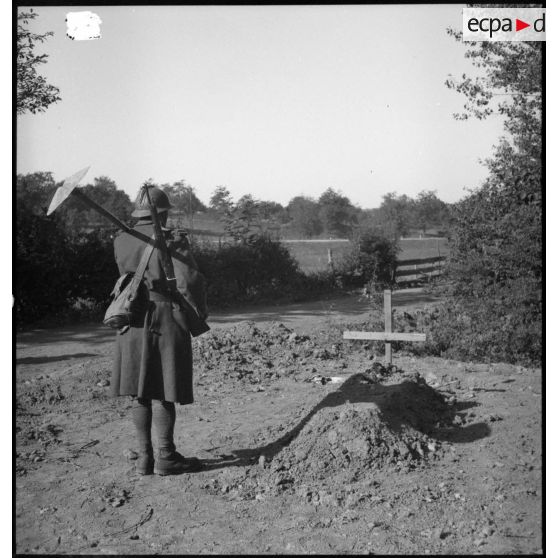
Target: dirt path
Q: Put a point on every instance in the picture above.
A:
(53, 351)
(435, 456)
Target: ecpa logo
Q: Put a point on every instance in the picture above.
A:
(504, 24)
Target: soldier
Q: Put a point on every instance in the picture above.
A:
(153, 359)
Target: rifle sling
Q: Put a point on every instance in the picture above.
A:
(138, 275)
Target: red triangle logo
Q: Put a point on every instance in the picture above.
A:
(519, 25)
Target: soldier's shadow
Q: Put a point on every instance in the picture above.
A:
(406, 404)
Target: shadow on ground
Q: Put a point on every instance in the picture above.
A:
(82, 333)
(409, 403)
(45, 359)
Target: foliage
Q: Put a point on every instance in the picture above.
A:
(57, 261)
(494, 306)
(430, 211)
(398, 215)
(241, 221)
(41, 256)
(395, 215)
(183, 197)
(272, 212)
(249, 219)
(305, 217)
(261, 270)
(372, 260)
(34, 93)
(221, 200)
(337, 213)
(34, 192)
(54, 269)
(80, 217)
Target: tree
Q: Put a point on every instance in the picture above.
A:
(106, 193)
(34, 192)
(337, 212)
(221, 200)
(34, 94)
(241, 222)
(430, 211)
(377, 258)
(78, 217)
(305, 217)
(495, 265)
(60, 260)
(183, 197)
(272, 212)
(395, 215)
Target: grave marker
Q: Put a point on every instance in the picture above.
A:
(387, 335)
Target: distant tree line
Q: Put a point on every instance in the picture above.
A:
(331, 215)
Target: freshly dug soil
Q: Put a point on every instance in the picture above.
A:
(308, 446)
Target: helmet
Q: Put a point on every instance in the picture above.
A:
(158, 197)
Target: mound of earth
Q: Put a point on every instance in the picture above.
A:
(364, 426)
(387, 425)
(252, 355)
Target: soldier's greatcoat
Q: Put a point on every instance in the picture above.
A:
(153, 360)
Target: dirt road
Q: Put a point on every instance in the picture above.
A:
(433, 456)
(52, 351)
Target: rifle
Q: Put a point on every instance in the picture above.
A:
(196, 325)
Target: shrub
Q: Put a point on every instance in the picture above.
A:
(372, 260)
(62, 277)
(494, 305)
(262, 269)
(92, 266)
(54, 270)
(42, 278)
(494, 297)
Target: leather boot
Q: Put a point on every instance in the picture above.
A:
(170, 462)
(145, 462)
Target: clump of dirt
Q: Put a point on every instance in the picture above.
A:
(46, 433)
(364, 426)
(38, 394)
(386, 426)
(114, 495)
(250, 354)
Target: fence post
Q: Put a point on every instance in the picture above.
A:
(330, 258)
(387, 321)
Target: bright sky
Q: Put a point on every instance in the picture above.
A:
(273, 101)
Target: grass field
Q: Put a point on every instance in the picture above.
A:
(312, 255)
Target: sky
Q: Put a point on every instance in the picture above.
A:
(273, 101)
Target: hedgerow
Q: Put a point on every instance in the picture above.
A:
(66, 277)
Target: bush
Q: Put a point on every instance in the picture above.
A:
(56, 272)
(92, 266)
(261, 270)
(62, 277)
(492, 332)
(372, 260)
(42, 278)
(494, 291)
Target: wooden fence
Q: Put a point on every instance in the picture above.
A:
(419, 269)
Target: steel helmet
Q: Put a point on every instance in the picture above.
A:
(158, 197)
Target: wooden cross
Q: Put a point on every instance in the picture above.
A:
(386, 335)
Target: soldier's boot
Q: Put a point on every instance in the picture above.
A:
(170, 462)
(167, 460)
(145, 462)
(142, 416)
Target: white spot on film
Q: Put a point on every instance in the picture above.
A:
(83, 26)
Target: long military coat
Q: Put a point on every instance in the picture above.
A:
(153, 359)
